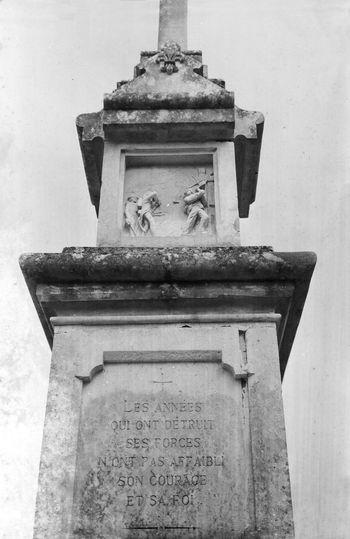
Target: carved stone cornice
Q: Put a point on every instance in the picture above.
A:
(86, 281)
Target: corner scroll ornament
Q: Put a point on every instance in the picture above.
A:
(169, 54)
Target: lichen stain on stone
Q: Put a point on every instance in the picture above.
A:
(184, 89)
(101, 257)
(95, 501)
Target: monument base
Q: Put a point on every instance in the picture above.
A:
(164, 415)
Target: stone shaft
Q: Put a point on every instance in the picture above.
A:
(173, 22)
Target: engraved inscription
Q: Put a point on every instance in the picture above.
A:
(154, 457)
(149, 439)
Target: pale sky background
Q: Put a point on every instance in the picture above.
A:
(286, 58)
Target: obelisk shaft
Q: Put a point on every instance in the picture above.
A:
(173, 22)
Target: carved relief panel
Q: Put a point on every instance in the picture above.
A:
(169, 195)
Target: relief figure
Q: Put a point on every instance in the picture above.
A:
(147, 206)
(131, 216)
(195, 203)
(139, 213)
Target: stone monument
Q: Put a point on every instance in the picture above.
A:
(169, 340)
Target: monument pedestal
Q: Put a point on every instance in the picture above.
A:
(164, 415)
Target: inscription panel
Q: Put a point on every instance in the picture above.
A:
(163, 452)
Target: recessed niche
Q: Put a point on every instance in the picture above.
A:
(169, 193)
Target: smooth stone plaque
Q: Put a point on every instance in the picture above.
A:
(164, 451)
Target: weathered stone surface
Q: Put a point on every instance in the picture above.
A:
(183, 89)
(164, 408)
(152, 457)
(167, 266)
(81, 264)
(249, 126)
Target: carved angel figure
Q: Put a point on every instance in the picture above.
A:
(195, 202)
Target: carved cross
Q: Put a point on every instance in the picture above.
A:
(172, 23)
(162, 381)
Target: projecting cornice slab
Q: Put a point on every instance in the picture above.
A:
(245, 128)
(86, 280)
